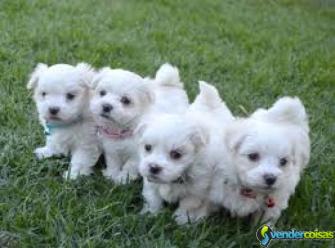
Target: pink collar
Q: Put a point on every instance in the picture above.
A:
(249, 193)
(114, 133)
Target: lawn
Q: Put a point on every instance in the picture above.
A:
(254, 51)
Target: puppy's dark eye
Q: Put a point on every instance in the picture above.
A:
(43, 94)
(125, 100)
(253, 156)
(102, 92)
(283, 161)
(70, 96)
(148, 148)
(175, 154)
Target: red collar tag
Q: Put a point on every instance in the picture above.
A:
(270, 202)
(249, 193)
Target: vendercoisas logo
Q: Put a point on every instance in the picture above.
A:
(263, 234)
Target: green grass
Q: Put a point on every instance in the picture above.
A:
(253, 50)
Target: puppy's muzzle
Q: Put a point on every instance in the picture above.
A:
(106, 108)
(54, 110)
(269, 179)
(154, 169)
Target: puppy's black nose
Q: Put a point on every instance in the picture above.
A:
(269, 179)
(154, 168)
(53, 110)
(107, 108)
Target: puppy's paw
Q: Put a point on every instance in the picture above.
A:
(68, 175)
(181, 217)
(145, 210)
(149, 210)
(121, 179)
(42, 153)
(132, 176)
(74, 174)
(125, 177)
(110, 174)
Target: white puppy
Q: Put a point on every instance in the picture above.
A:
(264, 156)
(178, 158)
(61, 95)
(122, 100)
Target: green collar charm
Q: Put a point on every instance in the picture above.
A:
(50, 127)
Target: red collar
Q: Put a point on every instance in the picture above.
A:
(269, 202)
(249, 193)
(114, 133)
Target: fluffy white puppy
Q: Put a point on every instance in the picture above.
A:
(178, 157)
(122, 99)
(61, 95)
(264, 156)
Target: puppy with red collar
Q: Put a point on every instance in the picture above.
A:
(264, 156)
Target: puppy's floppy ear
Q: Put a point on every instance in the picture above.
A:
(141, 127)
(235, 136)
(98, 76)
(35, 75)
(199, 136)
(301, 147)
(86, 73)
(146, 91)
(289, 110)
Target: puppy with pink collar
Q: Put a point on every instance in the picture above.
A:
(123, 99)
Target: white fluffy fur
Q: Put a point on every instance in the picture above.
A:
(163, 94)
(277, 133)
(215, 148)
(75, 131)
(168, 90)
(195, 139)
